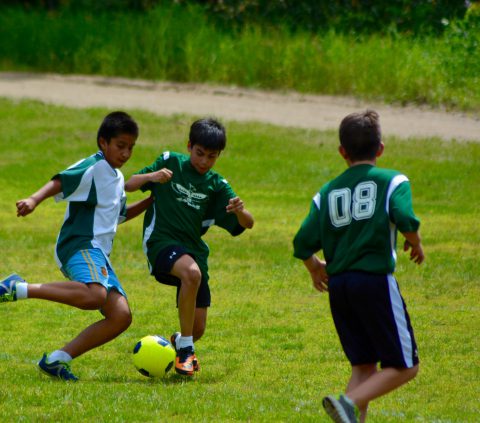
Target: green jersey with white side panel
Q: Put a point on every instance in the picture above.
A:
(354, 220)
(96, 204)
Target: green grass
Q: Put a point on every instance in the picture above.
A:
(179, 43)
(270, 351)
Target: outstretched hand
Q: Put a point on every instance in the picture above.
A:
(26, 206)
(235, 205)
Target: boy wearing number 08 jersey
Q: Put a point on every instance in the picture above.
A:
(189, 198)
(354, 220)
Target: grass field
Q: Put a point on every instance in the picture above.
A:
(270, 351)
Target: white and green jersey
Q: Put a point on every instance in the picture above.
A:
(354, 220)
(96, 204)
(184, 208)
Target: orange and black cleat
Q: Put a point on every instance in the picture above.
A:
(186, 362)
(173, 339)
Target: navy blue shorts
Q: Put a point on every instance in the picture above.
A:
(164, 262)
(371, 320)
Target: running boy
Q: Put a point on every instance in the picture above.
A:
(189, 198)
(94, 190)
(354, 219)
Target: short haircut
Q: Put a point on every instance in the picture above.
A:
(115, 124)
(209, 133)
(360, 135)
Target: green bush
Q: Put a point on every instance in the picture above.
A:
(367, 16)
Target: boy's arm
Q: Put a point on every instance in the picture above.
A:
(138, 180)
(28, 205)
(319, 276)
(133, 210)
(236, 206)
(413, 241)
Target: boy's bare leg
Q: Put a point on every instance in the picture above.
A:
(359, 375)
(117, 319)
(378, 384)
(90, 296)
(187, 270)
(200, 323)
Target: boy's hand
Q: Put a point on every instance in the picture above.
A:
(26, 206)
(235, 205)
(161, 176)
(320, 278)
(416, 253)
(318, 272)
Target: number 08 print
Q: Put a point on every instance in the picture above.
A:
(342, 209)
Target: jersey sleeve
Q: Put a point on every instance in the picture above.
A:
(308, 241)
(216, 213)
(77, 182)
(401, 209)
(158, 164)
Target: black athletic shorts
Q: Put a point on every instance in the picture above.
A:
(164, 262)
(372, 320)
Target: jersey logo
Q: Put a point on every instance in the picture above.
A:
(189, 196)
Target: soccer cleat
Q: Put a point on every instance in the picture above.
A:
(8, 288)
(340, 410)
(184, 361)
(57, 369)
(173, 339)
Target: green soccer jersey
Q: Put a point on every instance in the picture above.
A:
(184, 208)
(354, 220)
(96, 204)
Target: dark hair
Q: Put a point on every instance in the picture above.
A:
(116, 123)
(360, 135)
(208, 133)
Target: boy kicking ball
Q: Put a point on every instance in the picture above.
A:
(354, 219)
(94, 191)
(189, 198)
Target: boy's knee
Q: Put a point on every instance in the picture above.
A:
(192, 277)
(124, 320)
(413, 371)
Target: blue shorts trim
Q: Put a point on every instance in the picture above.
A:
(91, 266)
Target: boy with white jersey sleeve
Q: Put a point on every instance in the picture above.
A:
(96, 202)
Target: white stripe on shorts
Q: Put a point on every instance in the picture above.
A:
(400, 321)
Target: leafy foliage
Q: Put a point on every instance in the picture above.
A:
(368, 16)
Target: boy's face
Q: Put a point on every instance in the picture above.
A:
(201, 158)
(118, 150)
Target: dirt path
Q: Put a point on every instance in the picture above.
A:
(296, 110)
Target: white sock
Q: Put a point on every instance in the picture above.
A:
(22, 290)
(184, 341)
(59, 355)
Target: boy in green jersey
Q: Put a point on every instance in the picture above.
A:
(96, 203)
(354, 220)
(189, 198)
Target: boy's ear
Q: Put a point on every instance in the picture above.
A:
(189, 146)
(343, 152)
(103, 143)
(381, 147)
